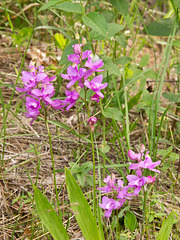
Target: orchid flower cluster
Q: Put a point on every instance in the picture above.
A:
(38, 89)
(80, 72)
(135, 182)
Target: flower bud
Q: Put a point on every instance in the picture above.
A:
(142, 148)
(150, 179)
(83, 41)
(132, 155)
(92, 121)
(77, 35)
(77, 49)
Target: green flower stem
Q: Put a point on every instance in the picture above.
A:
(94, 177)
(145, 223)
(94, 174)
(104, 136)
(53, 165)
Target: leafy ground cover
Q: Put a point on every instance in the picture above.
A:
(90, 119)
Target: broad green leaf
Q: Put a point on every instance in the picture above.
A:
(50, 4)
(109, 15)
(97, 22)
(69, 7)
(113, 113)
(110, 66)
(166, 228)
(120, 5)
(81, 208)
(144, 60)
(121, 39)
(161, 28)
(96, 36)
(133, 101)
(130, 221)
(114, 28)
(123, 60)
(49, 217)
(172, 97)
(150, 74)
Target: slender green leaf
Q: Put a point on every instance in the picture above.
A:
(130, 221)
(49, 217)
(121, 6)
(81, 208)
(97, 22)
(113, 113)
(166, 227)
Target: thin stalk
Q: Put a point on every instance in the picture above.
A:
(94, 173)
(53, 165)
(104, 135)
(126, 111)
(94, 177)
(145, 223)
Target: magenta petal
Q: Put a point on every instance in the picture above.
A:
(137, 190)
(108, 213)
(132, 155)
(132, 178)
(71, 71)
(87, 84)
(37, 92)
(134, 166)
(139, 172)
(65, 76)
(88, 73)
(41, 76)
(74, 58)
(86, 54)
(104, 85)
(49, 89)
(72, 82)
(97, 79)
(70, 106)
(99, 93)
(26, 76)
